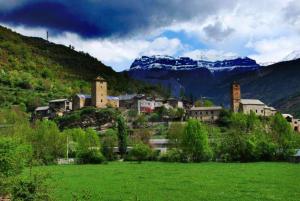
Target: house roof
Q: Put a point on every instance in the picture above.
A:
(85, 96)
(287, 115)
(206, 108)
(58, 100)
(127, 96)
(112, 98)
(42, 108)
(251, 102)
(270, 108)
(99, 78)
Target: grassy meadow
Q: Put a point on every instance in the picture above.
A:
(155, 181)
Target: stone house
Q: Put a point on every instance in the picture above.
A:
(59, 106)
(81, 100)
(113, 101)
(252, 105)
(175, 103)
(247, 106)
(41, 112)
(295, 123)
(98, 97)
(205, 114)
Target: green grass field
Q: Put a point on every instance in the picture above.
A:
(175, 181)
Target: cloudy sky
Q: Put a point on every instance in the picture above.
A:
(118, 31)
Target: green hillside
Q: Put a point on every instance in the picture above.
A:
(290, 105)
(33, 71)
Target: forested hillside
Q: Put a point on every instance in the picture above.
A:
(33, 70)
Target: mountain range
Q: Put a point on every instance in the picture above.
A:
(274, 84)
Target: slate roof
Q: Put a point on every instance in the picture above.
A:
(251, 102)
(86, 96)
(127, 96)
(58, 100)
(112, 98)
(206, 108)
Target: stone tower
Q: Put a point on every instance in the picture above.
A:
(235, 96)
(99, 92)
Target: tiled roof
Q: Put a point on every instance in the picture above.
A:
(251, 102)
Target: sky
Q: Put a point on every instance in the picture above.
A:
(118, 31)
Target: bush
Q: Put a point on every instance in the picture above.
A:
(13, 158)
(34, 189)
(172, 155)
(91, 156)
(140, 152)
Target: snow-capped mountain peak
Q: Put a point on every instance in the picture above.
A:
(292, 56)
(186, 63)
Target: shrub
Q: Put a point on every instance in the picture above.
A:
(91, 156)
(172, 155)
(140, 152)
(34, 188)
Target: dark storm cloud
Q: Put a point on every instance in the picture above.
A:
(217, 31)
(105, 18)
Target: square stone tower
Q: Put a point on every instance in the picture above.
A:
(235, 96)
(99, 92)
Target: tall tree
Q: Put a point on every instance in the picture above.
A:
(195, 141)
(122, 135)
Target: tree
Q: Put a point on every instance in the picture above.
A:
(122, 136)
(109, 141)
(195, 142)
(282, 132)
(208, 103)
(13, 158)
(175, 134)
(88, 150)
(47, 141)
(140, 152)
(198, 103)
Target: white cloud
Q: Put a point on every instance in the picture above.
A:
(274, 49)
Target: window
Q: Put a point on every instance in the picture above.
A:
(101, 100)
(256, 111)
(212, 112)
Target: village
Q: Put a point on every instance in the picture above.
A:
(99, 98)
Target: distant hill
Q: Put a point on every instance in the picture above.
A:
(272, 84)
(33, 71)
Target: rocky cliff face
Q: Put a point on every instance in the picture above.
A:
(186, 63)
